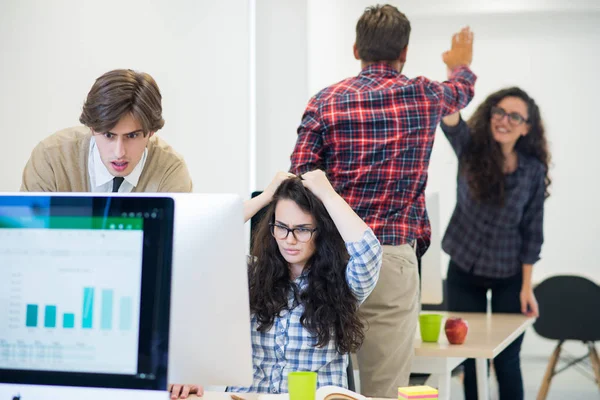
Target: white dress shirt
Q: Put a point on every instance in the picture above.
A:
(101, 181)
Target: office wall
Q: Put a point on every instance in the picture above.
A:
(281, 82)
(196, 50)
(198, 53)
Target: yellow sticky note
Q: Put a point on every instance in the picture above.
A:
(417, 392)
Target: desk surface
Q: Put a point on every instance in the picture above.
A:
(488, 335)
(226, 396)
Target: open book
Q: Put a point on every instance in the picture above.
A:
(323, 393)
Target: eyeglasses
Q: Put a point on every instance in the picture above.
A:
(301, 234)
(514, 118)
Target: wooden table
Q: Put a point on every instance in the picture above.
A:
(488, 335)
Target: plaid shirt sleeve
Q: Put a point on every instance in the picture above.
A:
(307, 152)
(363, 268)
(458, 135)
(533, 220)
(455, 93)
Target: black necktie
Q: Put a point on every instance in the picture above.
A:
(117, 180)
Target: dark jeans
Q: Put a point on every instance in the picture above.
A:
(467, 293)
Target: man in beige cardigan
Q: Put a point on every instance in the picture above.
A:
(116, 150)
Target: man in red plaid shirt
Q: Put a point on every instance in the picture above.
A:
(373, 135)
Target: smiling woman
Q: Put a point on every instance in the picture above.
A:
(496, 142)
(496, 231)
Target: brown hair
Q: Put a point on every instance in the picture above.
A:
(482, 161)
(119, 92)
(382, 33)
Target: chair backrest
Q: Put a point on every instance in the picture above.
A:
(569, 308)
(350, 373)
(255, 220)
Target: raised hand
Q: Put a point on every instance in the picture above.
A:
(461, 51)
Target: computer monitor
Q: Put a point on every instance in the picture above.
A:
(85, 286)
(210, 317)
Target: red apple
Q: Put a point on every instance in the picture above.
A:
(456, 330)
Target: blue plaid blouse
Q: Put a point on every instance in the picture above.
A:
(495, 241)
(289, 347)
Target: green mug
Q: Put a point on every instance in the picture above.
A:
(302, 385)
(430, 325)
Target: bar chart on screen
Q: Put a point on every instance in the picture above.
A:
(111, 317)
(69, 299)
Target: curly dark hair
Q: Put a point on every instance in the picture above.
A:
(482, 161)
(330, 307)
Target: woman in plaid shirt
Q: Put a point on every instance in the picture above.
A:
(313, 262)
(495, 234)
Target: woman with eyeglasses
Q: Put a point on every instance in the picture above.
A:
(496, 231)
(314, 261)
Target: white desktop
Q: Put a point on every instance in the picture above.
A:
(210, 318)
(100, 330)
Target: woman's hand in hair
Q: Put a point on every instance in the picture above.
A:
(275, 182)
(183, 391)
(350, 225)
(316, 181)
(254, 205)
